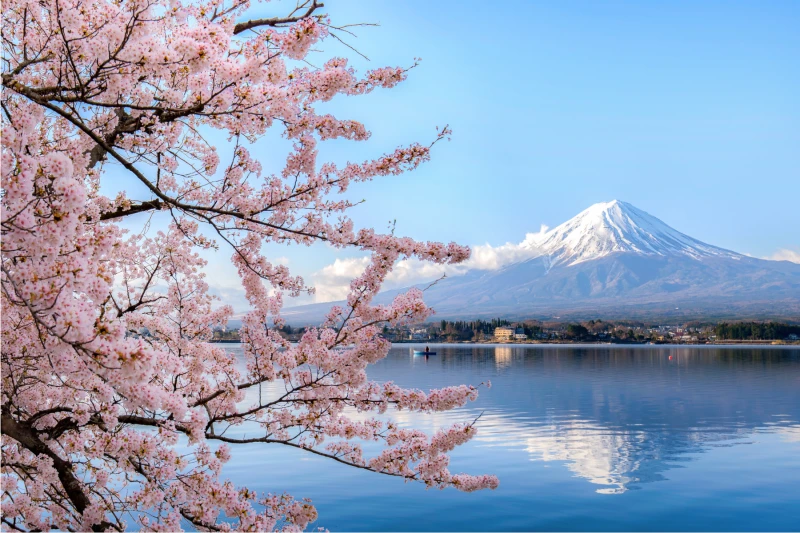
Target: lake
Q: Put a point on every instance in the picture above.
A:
(582, 438)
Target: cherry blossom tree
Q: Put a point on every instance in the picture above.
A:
(116, 408)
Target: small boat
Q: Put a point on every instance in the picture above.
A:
(419, 352)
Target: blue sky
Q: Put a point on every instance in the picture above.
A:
(688, 110)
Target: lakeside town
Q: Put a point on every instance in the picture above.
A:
(592, 331)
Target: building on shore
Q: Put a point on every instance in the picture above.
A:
(503, 333)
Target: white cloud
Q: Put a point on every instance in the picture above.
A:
(333, 281)
(786, 254)
(488, 257)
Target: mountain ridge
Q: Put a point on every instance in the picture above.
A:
(613, 260)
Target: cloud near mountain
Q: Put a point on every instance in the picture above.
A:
(786, 254)
(333, 281)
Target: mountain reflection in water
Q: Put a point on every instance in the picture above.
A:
(621, 417)
(709, 438)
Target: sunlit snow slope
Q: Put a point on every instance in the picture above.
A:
(613, 227)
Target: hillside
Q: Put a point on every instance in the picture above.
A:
(615, 260)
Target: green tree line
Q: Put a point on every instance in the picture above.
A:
(756, 331)
(468, 329)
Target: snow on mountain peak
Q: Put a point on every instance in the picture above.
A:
(611, 227)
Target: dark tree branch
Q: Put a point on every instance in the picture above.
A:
(27, 438)
(138, 208)
(277, 21)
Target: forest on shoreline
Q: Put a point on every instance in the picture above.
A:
(591, 331)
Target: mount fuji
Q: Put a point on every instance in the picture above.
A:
(618, 227)
(614, 260)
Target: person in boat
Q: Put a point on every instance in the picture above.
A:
(427, 350)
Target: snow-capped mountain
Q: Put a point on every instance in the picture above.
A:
(614, 260)
(618, 227)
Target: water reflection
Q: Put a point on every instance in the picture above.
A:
(620, 417)
(708, 439)
(502, 356)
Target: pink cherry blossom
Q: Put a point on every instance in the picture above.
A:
(108, 373)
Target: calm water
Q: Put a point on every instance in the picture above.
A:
(582, 438)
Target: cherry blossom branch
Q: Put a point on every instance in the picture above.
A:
(313, 6)
(23, 434)
(105, 358)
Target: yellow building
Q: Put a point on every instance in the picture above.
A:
(503, 333)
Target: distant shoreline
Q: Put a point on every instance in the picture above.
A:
(565, 342)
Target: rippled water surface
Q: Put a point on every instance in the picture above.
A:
(582, 438)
